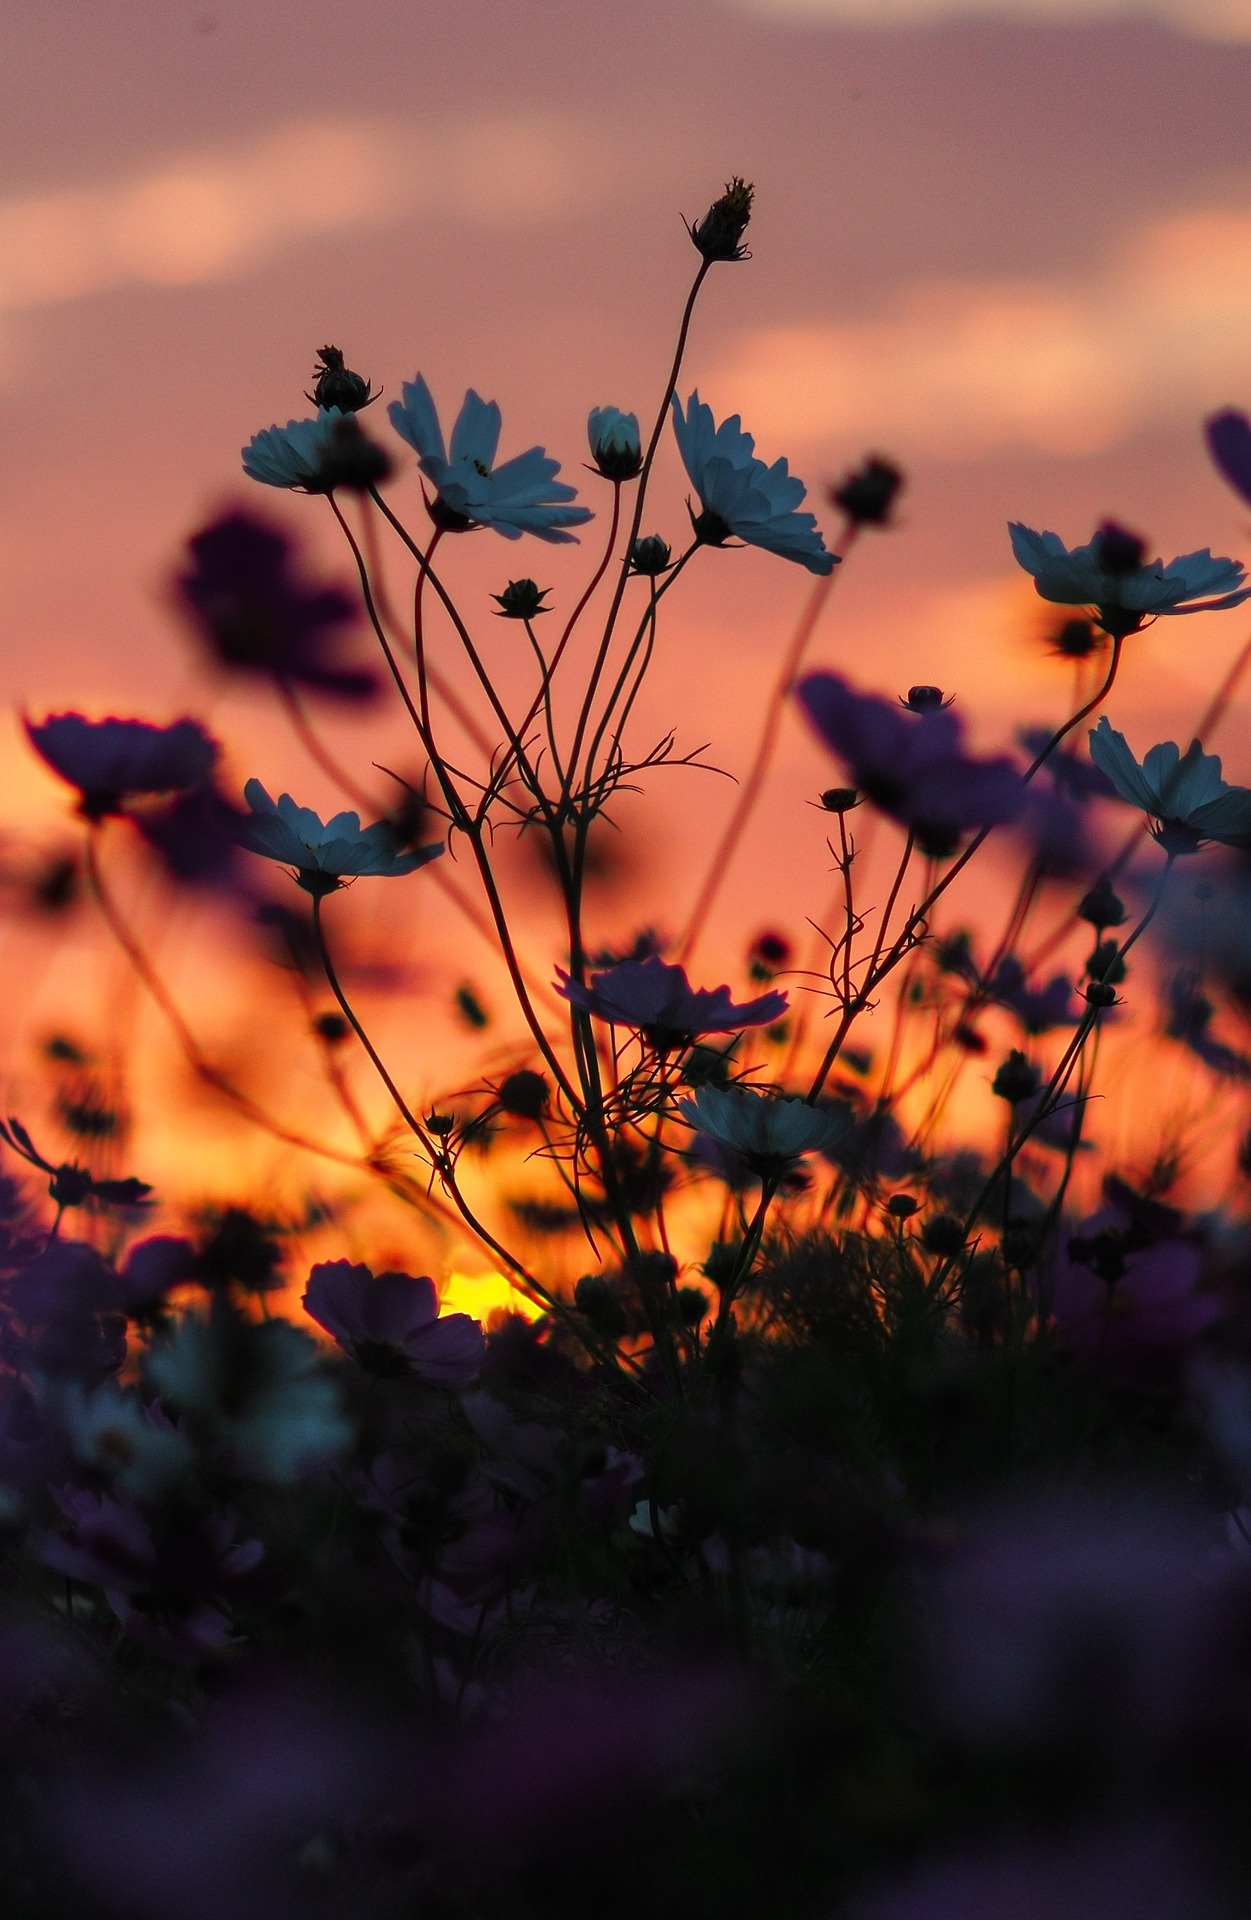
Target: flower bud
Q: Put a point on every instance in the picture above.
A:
(1077, 639)
(1101, 906)
(868, 494)
(943, 1234)
(524, 1094)
(615, 445)
(649, 555)
(335, 384)
(1100, 994)
(1106, 964)
(926, 699)
(902, 1206)
(521, 600)
(332, 1028)
(839, 799)
(1017, 1079)
(719, 235)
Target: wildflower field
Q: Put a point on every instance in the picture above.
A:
(681, 1425)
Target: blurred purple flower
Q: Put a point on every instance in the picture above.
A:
(111, 760)
(1127, 1303)
(1039, 1009)
(1228, 435)
(659, 1000)
(152, 1268)
(910, 765)
(196, 836)
(390, 1324)
(170, 1579)
(1071, 773)
(1190, 1015)
(243, 597)
(1123, 1877)
(58, 1312)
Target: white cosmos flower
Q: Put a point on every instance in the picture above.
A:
(767, 1129)
(522, 496)
(323, 854)
(294, 455)
(741, 494)
(1192, 583)
(1183, 794)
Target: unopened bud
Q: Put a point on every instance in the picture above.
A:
(615, 445)
(1100, 994)
(1076, 639)
(902, 1206)
(650, 555)
(943, 1234)
(335, 384)
(719, 235)
(867, 495)
(521, 600)
(839, 799)
(1101, 906)
(1017, 1079)
(1106, 963)
(524, 1094)
(925, 699)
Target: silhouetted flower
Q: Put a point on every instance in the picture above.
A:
(912, 766)
(72, 1185)
(111, 760)
(615, 445)
(195, 836)
(323, 855)
(255, 615)
(1038, 1009)
(521, 496)
(1106, 575)
(659, 1000)
(769, 1130)
(1189, 1020)
(521, 600)
(1183, 794)
(740, 495)
(719, 235)
(867, 495)
(650, 556)
(390, 1324)
(335, 384)
(316, 456)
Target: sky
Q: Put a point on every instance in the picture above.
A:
(1007, 244)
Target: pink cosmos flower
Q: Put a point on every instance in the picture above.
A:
(390, 1324)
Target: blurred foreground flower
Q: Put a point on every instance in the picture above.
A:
(522, 496)
(660, 1001)
(740, 495)
(109, 761)
(1110, 575)
(1228, 435)
(390, 1324)
(1184, 795)
(316, 456)
(323, 855)
(242, 598)
(1125, 1300)
(769, 1130)
(912, 766)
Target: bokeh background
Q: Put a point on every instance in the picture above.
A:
(1008, 245)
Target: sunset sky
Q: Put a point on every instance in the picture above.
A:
(1008, 244)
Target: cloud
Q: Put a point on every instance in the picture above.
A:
(211, 215)
(957, 369)
(1211, 19)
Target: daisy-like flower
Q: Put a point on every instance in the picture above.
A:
(615, 445)
(317, 455)
(740, 495)
(521, 496)
(1183, 795)
(111, 760)
(390, 1324)
(323, 855)
(660, 1001)
(1110, 575)
(769, 1130)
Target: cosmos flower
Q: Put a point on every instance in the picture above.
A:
(614, 440)
(1126, 1301)
(1183, 794)
(242, 598)
(1228, 436)
(317, 455)
(769, 1130)
(390, 1324)
(323, 854)
(911, 765)
(740, 495)
(659, 1000)
(522, 496)
(111, 760)
(1109, 574)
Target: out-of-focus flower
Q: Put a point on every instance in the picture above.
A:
(111, 1431)
(868, 494)
(1189, 1020)
(390, 1324)
(615, 445)
(1038, 1009)
(1228, 435)
(1183, 794)
(740, 495)
(60, 1322)
(323, 855)
(1109, 575)
(257, 1395)
(152, 1268)
(335, 384)
(660, 1001)
(1123, 1876)
(316, 456)
(111, 760)
(71, 1185)
(1072, 775)
(244, 600)
(521, 496)
(769, 1130)
(719, 235)
(912, 766)
(1126, 1302)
